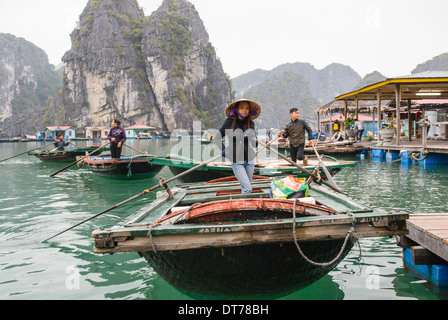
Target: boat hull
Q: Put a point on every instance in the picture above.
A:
(266, 271)
(212, 171)
(124, 169)
(209, 242)
(66, 156)
(217, 173)
(337, 151)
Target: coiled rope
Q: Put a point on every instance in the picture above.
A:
(350, 235)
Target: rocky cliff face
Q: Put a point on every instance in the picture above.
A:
(104, 75)
(27, 80)
(159, 70)
(186, 77)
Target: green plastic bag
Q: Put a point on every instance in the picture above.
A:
(289, 188)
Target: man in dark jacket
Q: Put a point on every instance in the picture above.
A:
(60, 144)
(295, 131)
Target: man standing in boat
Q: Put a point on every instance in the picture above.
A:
(117, 136)
(240, 131)
(295, 131)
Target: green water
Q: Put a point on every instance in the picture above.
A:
(34, 207)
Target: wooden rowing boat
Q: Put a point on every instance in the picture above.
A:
(337, 150)
(215, 170)
(65, 156)
(126, 168)
(208, 240)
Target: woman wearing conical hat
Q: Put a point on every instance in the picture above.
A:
(239, 128)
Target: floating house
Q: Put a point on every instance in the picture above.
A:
(140, 131)
(97, 133)
(339, 110)
(407, 135)
(327, 124)
(54, 132)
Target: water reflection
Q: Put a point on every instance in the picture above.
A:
(34, 206)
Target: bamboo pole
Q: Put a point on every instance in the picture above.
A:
(72, 164)
(143, 153)
(161, 184)
(304, 170)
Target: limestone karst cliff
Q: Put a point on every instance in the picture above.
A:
(159, 70)
(27, 81)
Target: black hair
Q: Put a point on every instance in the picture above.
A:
(293, 110)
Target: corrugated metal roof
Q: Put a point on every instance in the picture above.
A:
(139, 127)
(431, 80)
(424, 75)
(54, 128)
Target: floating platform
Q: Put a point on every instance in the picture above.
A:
(426, 246)
(434, 152)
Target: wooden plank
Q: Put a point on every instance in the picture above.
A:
(231, 239)
(422, 256)
(428, 240)
(429, 218)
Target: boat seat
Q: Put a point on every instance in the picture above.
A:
(307, 200)
(236, 191)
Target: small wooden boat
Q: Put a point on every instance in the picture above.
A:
(337, 149)
(66, 156)
(126, 168)
(215, 170)
(208, 240)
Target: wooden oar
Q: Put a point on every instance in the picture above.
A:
(74, 145)
(72, 164)
(327, 173)
(135, 149)
(161, 184)
(304, 169)
(267, 145)
(27, 152)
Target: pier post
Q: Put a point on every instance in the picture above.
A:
(409, 120)
(398, 105)
(378, 97)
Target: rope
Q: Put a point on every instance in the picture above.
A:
(152, 241)
(415, 157)
(350, 234)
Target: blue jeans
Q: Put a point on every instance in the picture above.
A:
(244, 172)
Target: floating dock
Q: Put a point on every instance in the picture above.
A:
(426, 246)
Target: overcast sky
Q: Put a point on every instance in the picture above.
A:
(389, 36)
